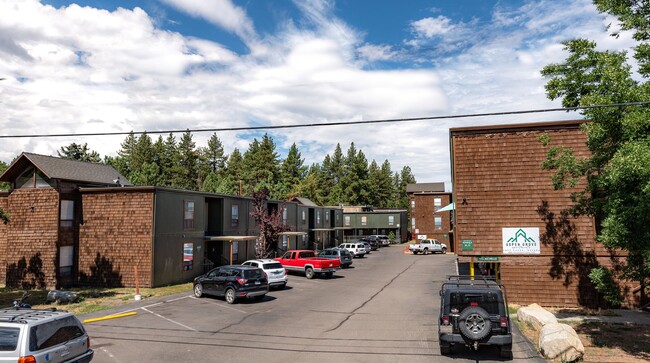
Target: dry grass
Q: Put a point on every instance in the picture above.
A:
(91, 299)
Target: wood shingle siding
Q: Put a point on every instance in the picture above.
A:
(31, 248)
(498, 183)
(116, 235)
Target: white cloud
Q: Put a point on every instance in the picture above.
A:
(222, 13)
(81, 69)
(431, 27)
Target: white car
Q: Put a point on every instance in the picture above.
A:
(356, 249)
(275, 273)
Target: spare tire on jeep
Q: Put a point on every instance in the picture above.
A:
(474, 323)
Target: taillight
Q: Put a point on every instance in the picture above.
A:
(473, 303)
(241, 281)
(266, 275)
(88, 341)
(28, 359)
(504, 322)
(286, 272)
(445, 320)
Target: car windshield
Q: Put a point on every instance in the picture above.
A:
(250, 274)
(272, 265)
(8, 339)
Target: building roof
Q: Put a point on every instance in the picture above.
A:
(65, 169)
(304, 201)
(426, 188)
(517, 127)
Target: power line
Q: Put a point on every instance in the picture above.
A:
(341, 123)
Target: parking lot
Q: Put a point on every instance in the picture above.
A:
(382, 309)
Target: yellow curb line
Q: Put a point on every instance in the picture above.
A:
(109, 317)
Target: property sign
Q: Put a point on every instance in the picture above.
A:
(467, 245)
(487, 258)
(422, 236)
(521, 241)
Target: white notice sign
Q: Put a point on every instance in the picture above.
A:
(521, 241)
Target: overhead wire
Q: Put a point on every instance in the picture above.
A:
(338, 123)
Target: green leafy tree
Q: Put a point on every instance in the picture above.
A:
(617, 173)
(3, 167)
(79, 152)
(309, 186)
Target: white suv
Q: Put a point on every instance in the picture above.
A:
(275, 273)
(42, 335)
(356, 249)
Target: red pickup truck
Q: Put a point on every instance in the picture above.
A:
(307, 262)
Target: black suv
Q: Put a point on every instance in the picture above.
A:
(233, 282)
(474, 311)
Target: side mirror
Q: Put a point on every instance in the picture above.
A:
(440, 292)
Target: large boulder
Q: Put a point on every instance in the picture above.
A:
(536, 315)
(560, 341)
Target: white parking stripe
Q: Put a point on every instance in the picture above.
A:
(169, 320)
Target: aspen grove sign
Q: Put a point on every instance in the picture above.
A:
(520, 241)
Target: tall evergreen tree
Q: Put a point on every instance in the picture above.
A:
(261, 166)
(374, 190)
(309, 186)
(3, 167)
(79, 152)
(233, 176)
(405, 177)
(292, 172)
(385, 186)
(122, 163)
(355, 177)
(185, 173)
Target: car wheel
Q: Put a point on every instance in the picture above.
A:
(415, 252)
(474, 323)
(309, 273)
(444, 251)
(198, 290)
(230, 296)
(426, 251)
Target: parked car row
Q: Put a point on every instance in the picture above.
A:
(254, 278)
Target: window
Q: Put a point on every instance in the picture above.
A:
(284, 241)
(413, 204)
(364, 220)
(347, 220)
(188, 214)
(318, 217)
(284, 215)
(391, 220)
(234, 215)
(413, 223)
(66, 254)
(327, 216)
(304, 217)
(48, 335)
(8, 339)
(67, 213)
(437, 222)
(437, 203)
(188, 256)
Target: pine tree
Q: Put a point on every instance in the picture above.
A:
(79, 152)
(386, 188)
(309, 186)
(405, 177)
(292, 173)
(374, 192)
(185, 174)
(261, 167)
(233, 175)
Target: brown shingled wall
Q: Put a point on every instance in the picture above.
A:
(498, 175)
(31, 238)
(115, 236)
(3, 243)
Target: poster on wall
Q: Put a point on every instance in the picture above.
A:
(520, 241)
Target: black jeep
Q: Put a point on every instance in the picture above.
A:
(474, 311)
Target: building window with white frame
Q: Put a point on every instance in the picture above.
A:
(391, 220)
(413, 223)
(437, 221)
(364, 220)
(437, 203)
(347, 220)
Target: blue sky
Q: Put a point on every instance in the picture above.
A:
(107, 66)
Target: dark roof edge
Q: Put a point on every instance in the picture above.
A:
(515, 127)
